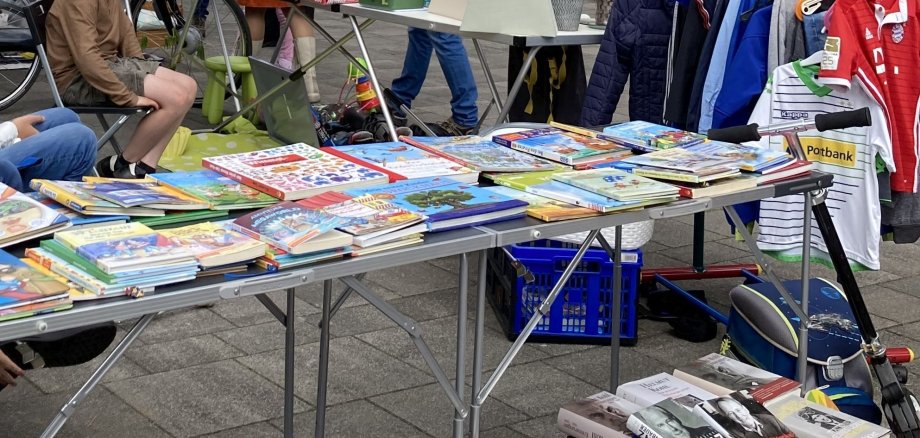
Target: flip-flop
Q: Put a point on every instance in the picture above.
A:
(71, 347)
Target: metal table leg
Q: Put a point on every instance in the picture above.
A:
(477, 344)
(289, 366)
(487, 71)
(461, 341)
(616, 304)
(802, 366)
(64, 414)
(373, 76)
(516, 86)
(322, 378)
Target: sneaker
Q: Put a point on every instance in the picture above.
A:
(450, 128)
(116, 167)
(377, 125)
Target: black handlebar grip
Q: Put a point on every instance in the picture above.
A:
(843, 119)
(735, 134)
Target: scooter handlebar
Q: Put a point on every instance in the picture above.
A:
(735, 134)
(843, 119)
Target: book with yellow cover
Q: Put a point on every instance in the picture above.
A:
(73, 195)
(141, 193)
(543, 208)
(125, 247)
(213, 245)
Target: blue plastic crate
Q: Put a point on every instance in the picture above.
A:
(582, 311)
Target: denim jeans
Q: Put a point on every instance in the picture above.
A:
(63, 149)
(814, 35)
(455, 65)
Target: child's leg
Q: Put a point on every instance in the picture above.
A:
(56, 117)
(286, 52)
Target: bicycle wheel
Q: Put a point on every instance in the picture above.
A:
(203, 40)
(18, 70)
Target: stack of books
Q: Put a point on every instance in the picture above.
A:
(403, 161)
(649, 137)
(26, 290)
(220, 192)
(216, 248)
(566, 147)
(480, 154)
(78, 220)
(698, 174)
(75, 196)
(23, 217)
(763, 164)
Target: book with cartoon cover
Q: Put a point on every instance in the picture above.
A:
(287, 225)
(750, 158)
(562, 146)
(617, 184)
(215, 245)
(23, 218)
(22, 285)
(78, 220)
(480, 154)
(123, 247)
(543, 208)
(294, 171)
(140, 193)
(648, 137)
(403, 161)
(685, 160)
(73, 195)
(521, 180)
(368, 218)
(221, 192)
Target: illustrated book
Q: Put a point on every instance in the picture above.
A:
(750, 158)
(371, 220)
(542, 184)
(140, 193)
(74, 195)
(564, 147)
(220, 192)
(480, 154)
(543, 208)
(214, 245)
(684, 160)
(288, 226)
(78, 220)
(21, 285)
(124, 247)
(23, 218)
(648, 137)
(404, 161)
(617, 184)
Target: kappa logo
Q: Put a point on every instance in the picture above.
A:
(869, 35)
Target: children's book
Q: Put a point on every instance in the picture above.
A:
(276, 259)
(124, 247)
(480, 154)
(750, 158)
(737, 415)
(602, 415)
(76, 292)
(562, 146)
(543, 208)
(681, 176)
(175, 218)
(214, 245)
(23, 218)
(542, 184)
(367, 218)
(648, 137)
(21, 285)
(401, 242)
(35, 309)
(294, 171)
(74, 196)
(792, 169)
(521, 180)
(141, 193)
(617, 184)
(90, 283)
(220, 192)
(403, 161)
(670, 419)
(684, 160)
(288, 226)
(78, 220)
(447, 203)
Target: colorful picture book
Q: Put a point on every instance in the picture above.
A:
(287, 226)
(542, 184)
(648, 137)
(561, 146)
(685, 161)
(214, 245)
(750, 158)
(123, 247)
(543, 208)
(220, 192)
(447, 203)
(140, 193)
(617, 184)
(276, 259)
(183, 217)
(371, 220)
(22, 285)
(77, 220)
(23, 218)
(294, 171)
(480, 154)
(403, 161)
(75, 196)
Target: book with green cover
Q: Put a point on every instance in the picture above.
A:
(521, 180)
(182, 217)
(221, 192)
(617, 184)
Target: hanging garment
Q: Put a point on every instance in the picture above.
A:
(553, 88)
(714, 75)
(695, 27)
(848, 154)
(718, 22)
(634, 48)
(783, 36)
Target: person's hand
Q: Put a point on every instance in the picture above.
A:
(25, 125)
(146, 101)
(9, 371)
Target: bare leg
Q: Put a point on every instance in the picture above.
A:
(174, 92)
(255, 18)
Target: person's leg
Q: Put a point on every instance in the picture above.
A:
(9, 175)
(305, 44)
(459, 75)
(415, 66)
(56, 117)
(175, 92)
(64, 152)
(255, 18)
(286, 52)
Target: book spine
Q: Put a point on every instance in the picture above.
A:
(82, 280)
(243, 179)
(510, 184)
(641, 429)
(502, 141)
(393, 176)
(541, 153)
(60, 197)
(660, 174)
(575, 425)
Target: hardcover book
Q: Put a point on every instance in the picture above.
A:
(522, 180)
(43, 307)
(670, 419)
(737, 415)
(649, 137)
(78, 220)
(294, 171)
(722, 375)
(480, 154)
(220, 192)
(75, 292)
(22, 285)
(616, 184)
(366, 217)
(602, 415)
(23, 218)
(542, 184)
(214, 245)
(543, 208)
(446, 203)
(90, 283)
(276, 259)
(653, 389)
(287, 225)
(561, 146)
(811, 420)
(751, 158)
(403, 161)
(74, 196)
(140, 193)
(123, 247)
(685, 161)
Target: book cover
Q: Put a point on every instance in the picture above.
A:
(404, 161)
(214, 245)
(76, 238)
(722, 375)
(671, 175)
(543, 208)
(670, 419)
(121, 254)
(76, 293)
(565, 147)
(182, 217)
(276, 259)
(21, 285)
(737, 415)
(89, 282)
(287, 225)
(221, 192)
(363, 215)
(811, 420)
(521, 180)
(750, 158)
(716, 188)
(653, 389)
(602, 415)
(73, 195)
(648, 137)
(583, 198)
(684, 160)
(442, 199)
(140, 193)
(23, 218)
(616, 184)
(78, 220)
(294, 171)
(480, 154)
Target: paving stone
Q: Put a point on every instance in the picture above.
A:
(100, 414)
(23, 389)
(536, 390)
(713, 252)
(269, 336)
(666, 345)
(263, 429)
(354, 320)
(542, 427)
(674, 234)
(356, 370)
(428, 408)
(434, 305)
(593, 366)
(313, 295)
(893, 305)
(907, 285)
(500, 432)
(184, 323)
(413, 279)
(182, 353)
(50, 380)
(247, 311)
(355, 419)
(911, 330)
(203, 399)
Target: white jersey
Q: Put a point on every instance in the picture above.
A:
(849, 154)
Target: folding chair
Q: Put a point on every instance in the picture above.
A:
(35, 14)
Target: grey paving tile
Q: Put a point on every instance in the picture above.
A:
(180, 324)
(665, 346)
(907, 285)
(893, 305)
(356, 370)
(100, 414)
(313, 295)
(713, 252)
(50, 380)
(433, 305)
(247, 311)
(413, 279)
(593, 366)
(500, 432)
(910, 330)
(428, 409)
(452, 263)
(660, 260)
(536, 389)
(203, 399)
(354, 320)
(675, 234)
(354, 419)
(262, 429)
(269, 336)
(23, 389)
(542, 427)
(182, 353)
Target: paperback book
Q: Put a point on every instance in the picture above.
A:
(175, 218)
(480, 154)
(648, 137)
(543, 208)
(214, 245)
(22, 285)
(447, 203)
(76, 292)
(670, 419)
(23, 218)
(737, 415)
(123, 247)
(74, 195)
(78, 220)
(276, 259)
(602, 415)
(561, 146)
(403, 161)
(294, 171)
(141, 193)
(118, 287)
(371, 220)
(684, 160)
(653, 389)
(784, 171)
(716, 188)
(41, 308)
(542, 184)
(288, 226)
(220, 192)
(722, 375)
(811, 420)
(617, 184)
(750, 158)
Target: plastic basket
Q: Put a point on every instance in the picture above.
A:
(634, 235)
(582, 311)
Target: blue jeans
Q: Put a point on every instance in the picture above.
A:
(455, 65)
(814, 37)
(63, 149)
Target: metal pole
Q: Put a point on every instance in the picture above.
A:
(802, 360)
(461, 340)
(477, 343)
(289, 366)
(223, 51)
(373, 76)
(322, 378)
(699, 237)
(493, 89)
(615, 253)
(516, 87)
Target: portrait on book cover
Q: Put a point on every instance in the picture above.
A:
(743, 417)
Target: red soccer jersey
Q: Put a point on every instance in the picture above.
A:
(880, 43)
